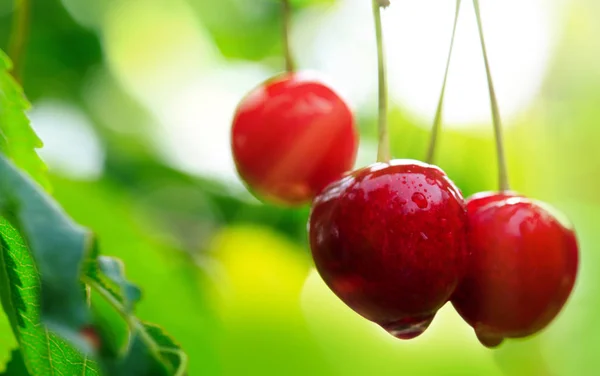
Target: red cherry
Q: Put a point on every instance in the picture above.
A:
(291, 137)
(389, 240)
(522, 267)
(478, 200)
(90, 334)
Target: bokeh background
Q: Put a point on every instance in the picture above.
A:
(134, 98)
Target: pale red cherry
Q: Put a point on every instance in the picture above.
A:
(292, 136)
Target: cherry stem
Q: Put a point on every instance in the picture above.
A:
(502, 168)
(290, 66)
(437, 122)
(383, 150)
(18, 36)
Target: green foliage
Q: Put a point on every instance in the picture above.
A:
(49, 231)
(169, 350)
(47, 266)
(42, 351)
(59, 54)
(58, 246)
(192, 199)
(16, 366)
(7, 341)
(249, 21)
(18, 141)
(170, 277)
(163, 355)
(109, 274)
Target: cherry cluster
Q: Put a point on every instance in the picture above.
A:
(396, 240)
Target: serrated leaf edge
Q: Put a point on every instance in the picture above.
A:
(137, 326)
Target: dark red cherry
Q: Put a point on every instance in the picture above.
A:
(292, 136)
(389, 240)
(522, 266)
(90, 335)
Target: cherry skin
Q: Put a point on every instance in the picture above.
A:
(389, 240)
(478, 200)
(90, 334)
(522, 266)
(291, 136)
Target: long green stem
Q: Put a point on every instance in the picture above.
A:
(383, 150)
(502, 168)
(437, 121)
(290, 66)
(18, 36)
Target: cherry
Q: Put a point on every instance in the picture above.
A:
(90, 334)
(478, 200)
(521, 268)
(292, 136)
(389, 240)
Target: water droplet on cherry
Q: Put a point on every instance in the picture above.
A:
(489, 340)
(409, 328)
(419, 199)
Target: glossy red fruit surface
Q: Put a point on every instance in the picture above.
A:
(389, 240)
(291, 137)
(478, 200)
(522, 267)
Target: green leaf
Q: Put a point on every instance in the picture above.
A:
(46, 288)
(43, 352)
(45, 258)
(21, 276)
(58, 247)
(153, 352)
(141, 361)
(170, 279)
(18, 141)
(7, 340)
(111, 326)
(109, 273)
(167, 347)
(114, 270)
(60, 51)
(16, 366)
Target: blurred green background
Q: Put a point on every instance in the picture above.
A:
(134, 98)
